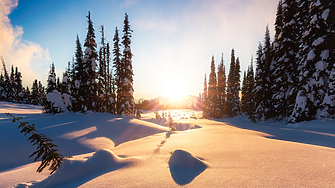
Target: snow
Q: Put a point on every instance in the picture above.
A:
(324, 54)
(318, 41)
(318, 3)
(320, 65)
(325, 14)
(115, 151)
(314, 19)
(88, 51)
(56, 98)
(52, 79)
(311, 55)
(66, 99)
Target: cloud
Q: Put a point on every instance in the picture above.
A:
(25, 55)
(128, 3)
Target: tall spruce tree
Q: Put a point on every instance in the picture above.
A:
(250, 100)
(78, 91)
(18, 86)
(34, 93)
(117, 67)
(221, 88)
(212, 92)
(7, 87)
(51, 79)
(259, 87)
(285, 60)
(233, 87)
(125, 91)
(89, 66)
(204, 102)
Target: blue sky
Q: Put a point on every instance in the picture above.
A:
(173, 40)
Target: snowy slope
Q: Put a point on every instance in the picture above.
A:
(113, 151)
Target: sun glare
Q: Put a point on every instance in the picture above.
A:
(174, 89)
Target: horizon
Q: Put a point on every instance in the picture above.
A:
(172, 42)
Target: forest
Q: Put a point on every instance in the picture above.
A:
(295, 72)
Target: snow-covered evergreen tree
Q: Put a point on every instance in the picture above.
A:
(233, 87)
(125, 91)
(51, 79)
(315, 97)
(259, 87)
(18, 86)
(12, 90)
(212, 92)
(117, 66)
(221, 88)
(89, 66)
(66, 90)
(7, 86)
(250, 101)
(34, 93)
(286, 48)
(41, 92)
(78, 91)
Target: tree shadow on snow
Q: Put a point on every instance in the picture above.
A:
(307, 135)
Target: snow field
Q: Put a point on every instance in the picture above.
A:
(113, 151)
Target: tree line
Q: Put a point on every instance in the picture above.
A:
(295, 72)
(93, 81)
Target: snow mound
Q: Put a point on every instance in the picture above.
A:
(56, 98)
(184, 159)
(184, 167)
(76, 172)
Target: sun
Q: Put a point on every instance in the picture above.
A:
(174, 88)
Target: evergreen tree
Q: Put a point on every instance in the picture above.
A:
(12, 91)
(51, 79)
(244, 92)
(41, 93)
(125, 92)
(279, 20)
(233, 87)
(204, 105)
(7, 87)
(250, 100)
(285, 61)
(34, 93)
(26, 96)
(315, 95)
(102, 75)
(259, 87)
(117, 66)
(89, 64)
(110, 84)
(58, 85)
(18, 86)
(212, 92)
(66, 90)
(78, 92)
(221, 88)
